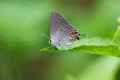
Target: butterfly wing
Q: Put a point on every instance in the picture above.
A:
(60, 31)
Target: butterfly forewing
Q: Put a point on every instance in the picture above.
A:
(58, 20)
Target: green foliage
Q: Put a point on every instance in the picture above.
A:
(25, 52)
(92, 46)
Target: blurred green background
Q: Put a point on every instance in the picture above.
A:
(24, 30)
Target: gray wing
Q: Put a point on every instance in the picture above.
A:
(58, 21)
(60, 30)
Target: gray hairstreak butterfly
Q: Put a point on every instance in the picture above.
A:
(62, 34)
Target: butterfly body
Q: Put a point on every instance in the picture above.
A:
(62, 33)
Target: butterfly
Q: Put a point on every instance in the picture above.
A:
(62, 34)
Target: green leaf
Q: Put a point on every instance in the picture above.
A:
(116, 38)
(70, 77)
(89, 45)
